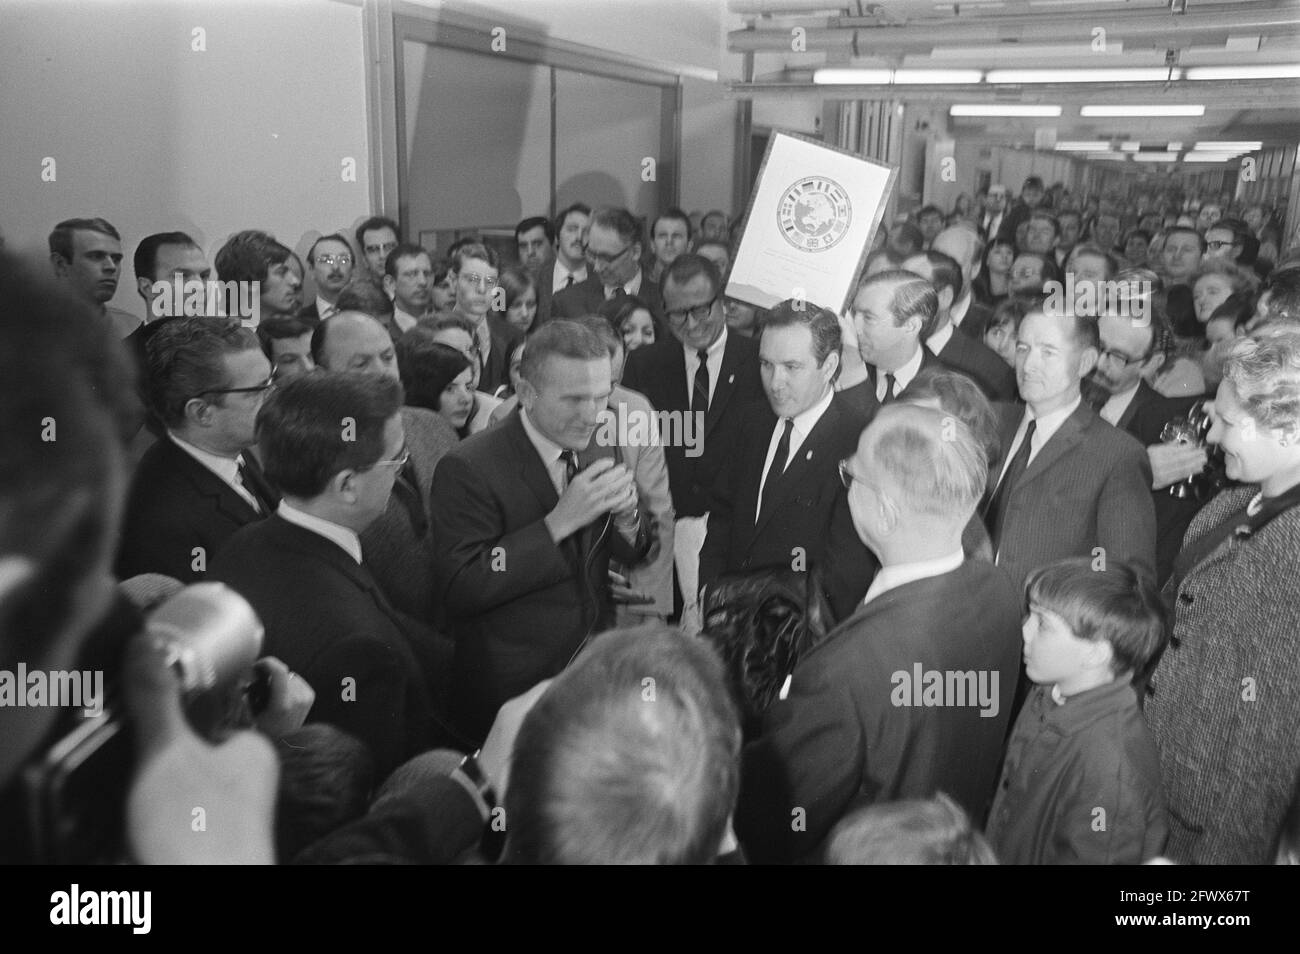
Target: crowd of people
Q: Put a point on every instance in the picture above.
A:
(1039, 484)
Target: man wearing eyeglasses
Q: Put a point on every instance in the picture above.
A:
(1128, 355)
(613, 255)
(1224, 240)
(205, 379)
(703, 371)
(481, 301)
(334, 443)
(330, 261)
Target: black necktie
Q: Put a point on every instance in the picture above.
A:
(700, 397)
(996, 514)
(570, 460)
(407, 490)
(889, 389)
(777, 467)
(568, 281)
(256, 484)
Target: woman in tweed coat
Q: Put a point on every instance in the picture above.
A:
(1224, 703)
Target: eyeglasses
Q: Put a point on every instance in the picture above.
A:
(599, 258)
(399, 461)
(385, 248)
(1120, 357)
(331, 260)
(698, 313)
(256, 389)
(479, 281)
(847, 477)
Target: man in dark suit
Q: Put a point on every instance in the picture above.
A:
(1125, 400)
(1070, 485)
(1031, 197)
(706, 377)
(893, 313)
(408, 281)
(773, 502)
(475, 267)
(963, 353)
(196, 485)
(304, 572)
(527, 515)
(614, 258)
(961, 242)
(399, 547)
(909, 695)
(569, 266)
(330, 261)
(995, 212)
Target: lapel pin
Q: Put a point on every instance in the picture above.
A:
(731, 380)
(809, 457)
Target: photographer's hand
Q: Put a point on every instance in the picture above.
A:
(191, 802)
(1171, 463)
(290, 700)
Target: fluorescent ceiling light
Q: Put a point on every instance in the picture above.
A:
(1130, 146)
(1174, 147)
(1155, 157)
(1112, 112)
(978, 109)
(1209, 157)
(1107, 155)
(1229, 146)
(1154, 74)
(1273, 71)
(1094, 146)
(869, 77)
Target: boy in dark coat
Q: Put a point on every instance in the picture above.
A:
(1081, 780)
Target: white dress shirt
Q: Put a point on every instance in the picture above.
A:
(227, 468)
(1117, 404)
(632, 287)
(939, 340)
(404, 321)
(346, 539)
(549, 451)
(560, 276)
(714, 365)
(892, 577)
(325, 309)
(957, 313)
(803, 425)
(902, 376)
(1044, 428)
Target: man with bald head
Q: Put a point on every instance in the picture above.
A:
(398, 546)
(890, 705)
(961, 243)
(972, 358)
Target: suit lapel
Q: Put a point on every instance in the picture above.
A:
(531, 467)
(725, 386)
(810, 453)
(205, 482)
(1067, 436)
(1140, 400)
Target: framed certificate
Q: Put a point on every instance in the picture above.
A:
(808, 229)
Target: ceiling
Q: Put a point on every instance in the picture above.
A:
(783, 43)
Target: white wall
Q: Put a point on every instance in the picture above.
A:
(154, 135)
(671, 33)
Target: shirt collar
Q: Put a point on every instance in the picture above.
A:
(1117, 404)
(939, 340)
(547, 449)
(714, 349)
(404, 320)
(898, 574)
(335, 533)
(1052, 421)
(560, 271)
(227, 468)
(903, 376)
(323, 307)
(957, 313)
(805, 422)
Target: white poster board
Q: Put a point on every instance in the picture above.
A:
(812, 214)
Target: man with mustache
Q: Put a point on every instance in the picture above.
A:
(330, 259)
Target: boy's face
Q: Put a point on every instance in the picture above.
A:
(1053, 654)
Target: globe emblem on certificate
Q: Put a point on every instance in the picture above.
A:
(814, 214)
